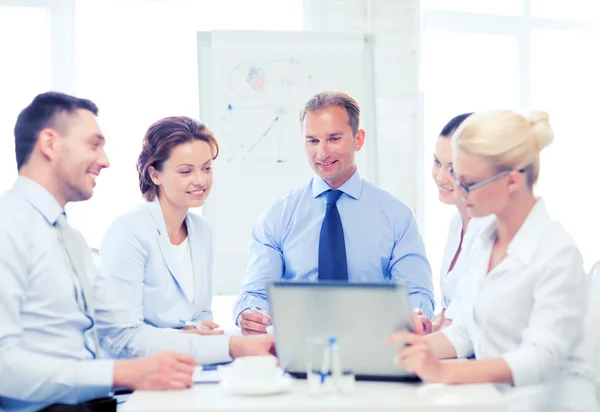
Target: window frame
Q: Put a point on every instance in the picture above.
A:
(62, 29)
(520, 28)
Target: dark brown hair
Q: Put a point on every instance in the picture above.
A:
(44, 111)
(160, 139)
(327, 99)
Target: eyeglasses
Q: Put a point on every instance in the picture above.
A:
(469, 188)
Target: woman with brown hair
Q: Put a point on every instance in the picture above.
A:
(159, 256)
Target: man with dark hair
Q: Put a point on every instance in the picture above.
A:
(46, 110)
(338, 226)
(55, 310)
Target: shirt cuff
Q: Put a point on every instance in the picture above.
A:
(212, 349)
(95, 379)
(420, 301)
(244, 304)
(523, 365)
(204, 315)
(241, 307)
(462, 346)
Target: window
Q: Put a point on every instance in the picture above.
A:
(483, 54)
(565, 83)
(148, 71)
(500, 7)
(22, 74)
(461, 73)
(576, 10)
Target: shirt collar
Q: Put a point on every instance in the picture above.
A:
(157, 215)
(38, 197)
(352, 187)
(525, 242)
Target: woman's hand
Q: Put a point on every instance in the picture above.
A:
(206, 327)
(417, 357)
(421, 323)
(440, 321)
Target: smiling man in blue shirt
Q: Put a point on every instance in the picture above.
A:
(56, 312)
(338, 226)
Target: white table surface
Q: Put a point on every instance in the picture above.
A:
(368, 396)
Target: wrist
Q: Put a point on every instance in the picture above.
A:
(436, 323)
(122, 376)
(240, 316)
(234, 345)
(446, 372)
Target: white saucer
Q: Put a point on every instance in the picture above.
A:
(281, 384)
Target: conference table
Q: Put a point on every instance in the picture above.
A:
(367, 396)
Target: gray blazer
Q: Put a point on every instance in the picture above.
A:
(138, 259)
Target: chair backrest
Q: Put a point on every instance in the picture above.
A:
(96, 260)
(102, 354)
(592, 323)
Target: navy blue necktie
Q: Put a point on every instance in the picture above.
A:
(332, 249)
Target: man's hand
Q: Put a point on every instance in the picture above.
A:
(421, 323)
(251, 346)
(162, 371)
(252, 323)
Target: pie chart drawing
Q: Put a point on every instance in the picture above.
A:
(247, 80)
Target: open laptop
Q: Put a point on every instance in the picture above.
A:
(362, 315)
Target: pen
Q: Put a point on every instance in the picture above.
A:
(325, 365)
(194, 324)
(258, 311)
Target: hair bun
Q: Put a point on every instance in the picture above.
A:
(543, 134)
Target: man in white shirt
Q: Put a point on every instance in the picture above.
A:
(55, 311)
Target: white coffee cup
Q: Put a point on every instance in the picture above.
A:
(254, 370)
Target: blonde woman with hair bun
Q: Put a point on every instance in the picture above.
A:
(522, 306)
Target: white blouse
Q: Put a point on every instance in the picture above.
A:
(449, 280)
(529, 311)
(183, 255)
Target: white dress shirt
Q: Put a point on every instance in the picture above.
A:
(529, 311)
(43, 359)
(450, 279)
(183, 255)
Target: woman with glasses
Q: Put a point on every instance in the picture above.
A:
(459, 238)
(522, 306)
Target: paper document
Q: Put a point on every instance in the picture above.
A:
(206, 376)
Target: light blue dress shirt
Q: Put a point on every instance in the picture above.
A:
(138, 259)
(382, 240)
(43, 357)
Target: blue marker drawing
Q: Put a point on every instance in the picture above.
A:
(230, 158)
(264, 134)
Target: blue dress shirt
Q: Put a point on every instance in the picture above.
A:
(382, 240)
(43, 359)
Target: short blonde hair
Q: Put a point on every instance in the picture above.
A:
(510, 140)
